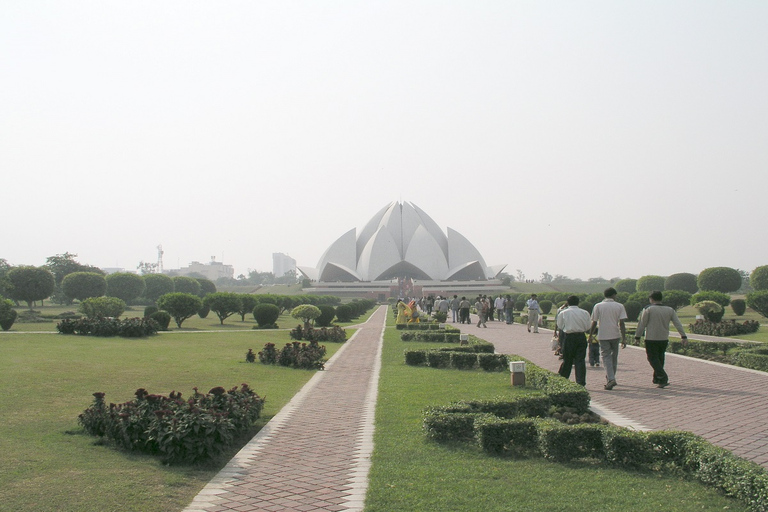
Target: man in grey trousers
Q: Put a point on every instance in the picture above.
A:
(608, 318)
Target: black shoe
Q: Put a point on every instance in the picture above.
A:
(662, 385)
(610, 385)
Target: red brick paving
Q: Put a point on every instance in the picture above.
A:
(314, 455)
(727, 405)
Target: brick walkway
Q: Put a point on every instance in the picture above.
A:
(314, 455)
(725, 404)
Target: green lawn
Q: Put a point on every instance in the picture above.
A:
(48, 464)
(411, 473)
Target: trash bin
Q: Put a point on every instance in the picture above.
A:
(517, 368)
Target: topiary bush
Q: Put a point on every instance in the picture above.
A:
(676, 299)
(720, 279)
(102, 307)
(7, 314)
(625, 285)
(721, 298)
(163, 319)
(344, 313)
(683, 281)
(149, 310)
(739, 306)
(759, 302)
(204, 311)
(650, 283)
(327, 314)
(758, 279)
(545, 306)
(266, 314)
(711, 310)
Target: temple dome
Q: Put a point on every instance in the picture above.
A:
(401, 241)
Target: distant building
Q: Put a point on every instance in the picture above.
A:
(115, 270)
(282, 263)
(212, 271)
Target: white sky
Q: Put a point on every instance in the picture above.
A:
(596, 138)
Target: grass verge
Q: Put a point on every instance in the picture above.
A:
(412, 473)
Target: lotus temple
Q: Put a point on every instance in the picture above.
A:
(402, 252)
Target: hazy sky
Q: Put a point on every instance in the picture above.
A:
(597, 138)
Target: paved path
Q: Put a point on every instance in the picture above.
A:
(314, 455)
(725, 404)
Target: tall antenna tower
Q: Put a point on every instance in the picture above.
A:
(160, 259)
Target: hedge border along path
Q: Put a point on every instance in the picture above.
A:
(723, 404)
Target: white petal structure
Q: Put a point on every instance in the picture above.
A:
(401, 241)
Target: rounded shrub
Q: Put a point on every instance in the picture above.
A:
(163, 319)
(721, 298)
(711, 310)
(344, 313)
(633, 309)
(157, 285)
(184, 284)
(83, 285)
(327, 314)
(758, 279)
(739, 306)
(720, 279)
(676, 299)
(545, 306)
(125, 285)
(266, 314)
(759, 302)
(203, 312)
(682, 281)
(149, 310)
(96, 307)
(625, 285)
(650, 283)
(7, 314)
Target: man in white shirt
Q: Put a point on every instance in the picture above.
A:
(499, 305)
(533, 313)
(608, 317)
(575, 323)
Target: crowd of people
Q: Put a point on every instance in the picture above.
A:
(580, 336)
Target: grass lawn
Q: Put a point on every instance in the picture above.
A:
(411, 473)
(49, 464)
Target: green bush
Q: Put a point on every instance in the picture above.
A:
(564, 443)
(163, 319)
(149, 310)
(545, 306)
(626, 285)
(720, 279)
(184, 284)
(180, 305)
(758, 279)
(438, 359)
(265, 314)
(676, 299)
(759, 302)
(204, 311)
(739, 307)
(327, 314)
(102, 307)
(7, 314)
(683, 281)
(498, 436)
(224, 304)
(157, 285)
(463, 361)
(444, 427)
(754, 358)
(415, 357)
(650, 283)
(178, 430)
(304, 356)
(727, 328)
(711, 310)
(492, 362)
(108, 327)
(125, 286)
(83, 285)
(344, 313)
(721, 298)
(633, 309)
(628, 448)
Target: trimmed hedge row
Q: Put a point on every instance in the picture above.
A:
(127, 328)
(754, 358)
(422, 326)
(456, 360)
(441, 336)
(563, 392)
(727, 328)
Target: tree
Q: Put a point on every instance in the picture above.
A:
(720, 279)
(682, 281)
(266, 314)
(61, 265)
(650, 283)
(224, 304)
(30, 284)
(676, 299)
(546, 277)
(183, 284)
(626, 285)
(180, 305)
(207, 286)
(125, 286)
(247, 303)
(758, 279)
(83, 285)
(759, 302)
(5, 285)
(157, 285)
(307, 313)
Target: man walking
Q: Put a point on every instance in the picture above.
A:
(533, 313)
(608, 317)
(455, 308)
(575, 323)
(509, 309)
(654, 322)
(482, 311)
(464, 306)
